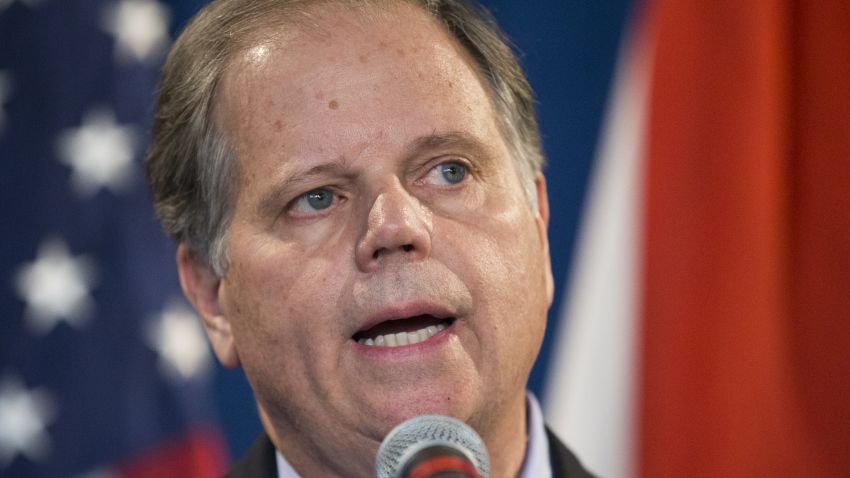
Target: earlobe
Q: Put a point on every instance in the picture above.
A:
(542, 219)
(200, 285)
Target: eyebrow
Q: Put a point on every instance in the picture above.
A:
(449, 140)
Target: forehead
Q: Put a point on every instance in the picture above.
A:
(351, 76)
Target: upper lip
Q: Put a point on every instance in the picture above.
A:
(405, 310)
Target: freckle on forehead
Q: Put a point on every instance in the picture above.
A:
(334, 104)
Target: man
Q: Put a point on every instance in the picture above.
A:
(356, 190)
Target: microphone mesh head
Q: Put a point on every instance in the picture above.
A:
(423, 431)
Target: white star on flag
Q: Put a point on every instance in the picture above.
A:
(56, 287)
(24, 415)
(180, 341)
(100, 153)
(5, 94)
(140, 28)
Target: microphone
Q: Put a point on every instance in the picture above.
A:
(432, 446)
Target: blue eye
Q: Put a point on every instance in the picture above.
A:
(453, 172)
(314, 200)
(320, 199)
(448, 173)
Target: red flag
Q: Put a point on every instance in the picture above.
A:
(740, 353)
(746, 335)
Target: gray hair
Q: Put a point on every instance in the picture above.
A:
(192, 169)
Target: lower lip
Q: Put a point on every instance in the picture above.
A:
(414, 350)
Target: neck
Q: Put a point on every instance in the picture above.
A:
(307, 460)
(506, 439)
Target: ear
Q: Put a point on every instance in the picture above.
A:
(542, 220)
(201, 286)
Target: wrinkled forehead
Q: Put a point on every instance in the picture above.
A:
(335, 45)
(324, 22)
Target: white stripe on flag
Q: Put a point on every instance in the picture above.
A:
(590, 389)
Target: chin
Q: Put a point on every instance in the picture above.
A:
(400, 406)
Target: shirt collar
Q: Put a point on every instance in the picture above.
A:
(284, 469)
(535, 465)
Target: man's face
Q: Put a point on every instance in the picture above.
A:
(376, 196)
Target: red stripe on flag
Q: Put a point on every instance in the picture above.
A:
(819, 220)
(746, 335)
(201, 453)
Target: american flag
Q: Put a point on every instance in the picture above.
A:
(104, 370)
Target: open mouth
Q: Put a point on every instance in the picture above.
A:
(399, 332)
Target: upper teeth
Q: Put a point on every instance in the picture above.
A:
(403, 338)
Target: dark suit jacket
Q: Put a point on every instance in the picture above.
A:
(259, 460)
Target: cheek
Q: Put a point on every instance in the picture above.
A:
(284, 325)
(505, 269)
(499, 239)
(510, 313)
(274, 294)
(512, 273)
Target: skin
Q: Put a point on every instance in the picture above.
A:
(368, 108)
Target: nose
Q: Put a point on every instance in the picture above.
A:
(398, 228)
